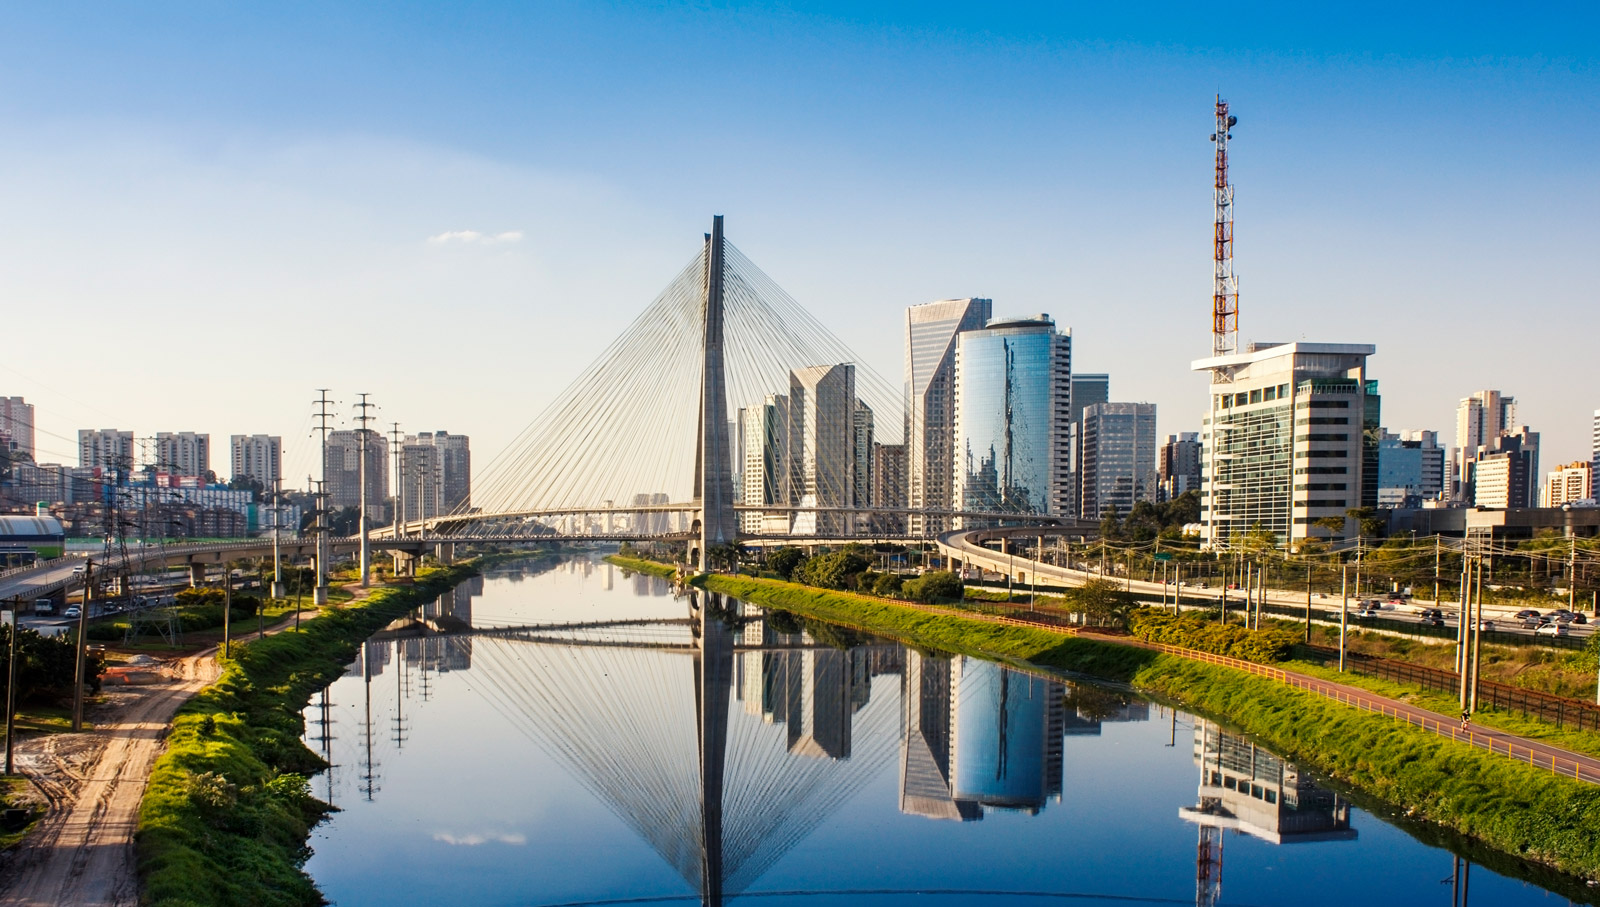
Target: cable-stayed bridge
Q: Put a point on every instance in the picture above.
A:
(725, 413)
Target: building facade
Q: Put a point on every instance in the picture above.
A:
(105, 448)
(763, 441)
(1291, 438)
(1410, 469)
(1480, 419)
(1178, 466)
(1119, 457)
(889, 486)
(258, 458)
(183, 453)
(16, 426)
(435, 475)
(822, 407)
(1013, 392)
(342, 469)
(1505, 472)
(931, 331)
(1569, 484)
(1087, 390)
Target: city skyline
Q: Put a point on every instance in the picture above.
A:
(254, 210)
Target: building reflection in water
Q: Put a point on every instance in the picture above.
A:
(1254, 792)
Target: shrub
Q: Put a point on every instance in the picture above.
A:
(834, 570)
(888, 585)
(940, 585)
(1197, 630)
(785, 561)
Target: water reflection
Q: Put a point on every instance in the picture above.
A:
(723, 737)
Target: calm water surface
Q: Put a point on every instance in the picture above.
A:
(563, 732)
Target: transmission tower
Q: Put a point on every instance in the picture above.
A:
(319, 595)
(361, 481)
(1225, 286)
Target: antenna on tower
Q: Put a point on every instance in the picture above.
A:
(1225, 288)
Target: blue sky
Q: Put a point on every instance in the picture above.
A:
(211, 209)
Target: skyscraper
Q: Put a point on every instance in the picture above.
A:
(1013, 386)
(257, 457)
(1505, 473)
(1087, 390)
(183, 453)
(889, 485)
(1410, 468)
(1480, 418)
(1594, 444)
(1178, 465)
(1291, 438)
(1572, 482)
(822, 406)
(16, 425)
(1119, 457)
(105, 448)
(763, 441)
(344, 464)
(435, 475)
(931, 330)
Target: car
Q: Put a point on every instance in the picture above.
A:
(1526, 613)
(1579, 619)
(1551, 629)
(1431, 620)
(1486, 625)
(1533, 623)
(72, 612)
(1368, 614)
(78, 569)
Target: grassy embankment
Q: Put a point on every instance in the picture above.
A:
(638, 565)
(228, 809)
(1516, 809)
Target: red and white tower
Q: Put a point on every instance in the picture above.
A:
(1225, 289)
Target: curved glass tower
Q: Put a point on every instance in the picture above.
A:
(1013, 393)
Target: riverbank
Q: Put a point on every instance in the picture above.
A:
(638, 565)
(1518, 810)
(228, 809)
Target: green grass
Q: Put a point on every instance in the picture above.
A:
(9, 789)
(1510, 806)
(228, 809)
(639, 565)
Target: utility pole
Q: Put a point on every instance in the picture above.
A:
(1344, 610)
(1308, 603)
(361, 481)
(83, 623)
(1477, 637)
(1436, 541)
(11, 678)
(319, 594)
(277, 536)
(227, 610)
(399, 484)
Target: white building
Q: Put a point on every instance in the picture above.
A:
(183, 453)
(930, 338)
(16, 425)
(435, 475)
(1569, 484)
(257, 457)
(764, 467)
(1291, 438)
(105, 448)
(1480, 419)
(822, 405)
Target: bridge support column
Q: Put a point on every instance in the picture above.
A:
(405, 564)
(197, 575)
(713, 479)
(445, 552)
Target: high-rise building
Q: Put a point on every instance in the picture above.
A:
(1013, 392)
(105, 448)
(435, 475)
(889, 485)
(1410, 468)
(1007, 741)
(1594, 444)
(763, 441)
(1291, 438)
(1480, 418)
(258, 458)
(1178, 466)
(183, 453)
(1571, 483)
(931, 330)
(1119, 456)
(1505, 473)
(343, 469)
(822, 406)
(16, 426)
(928, 711)
(861, 455)
(1087, 390)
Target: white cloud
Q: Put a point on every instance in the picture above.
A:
(473, 237)
(473, 840)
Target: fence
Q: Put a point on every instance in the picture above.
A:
(1557, 710)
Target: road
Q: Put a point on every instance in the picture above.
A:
(82, 852)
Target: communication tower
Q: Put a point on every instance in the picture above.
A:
(1225, 287)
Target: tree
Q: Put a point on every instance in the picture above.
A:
(888, 585)
(785, 561)
(1103, 600)
(1368, 523)
(834, 570)
(725, 555)
(1334, 525)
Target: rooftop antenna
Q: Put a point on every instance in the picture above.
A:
(1225, 287)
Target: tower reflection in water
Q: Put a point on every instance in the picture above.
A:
(1254, 792)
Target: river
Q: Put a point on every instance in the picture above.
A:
(564, 732)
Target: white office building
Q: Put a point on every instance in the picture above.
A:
(183, 453)
(930, 339)
(258, 458)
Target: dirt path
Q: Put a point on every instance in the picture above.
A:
(82, 852)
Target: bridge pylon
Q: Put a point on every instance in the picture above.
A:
(713, 480)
